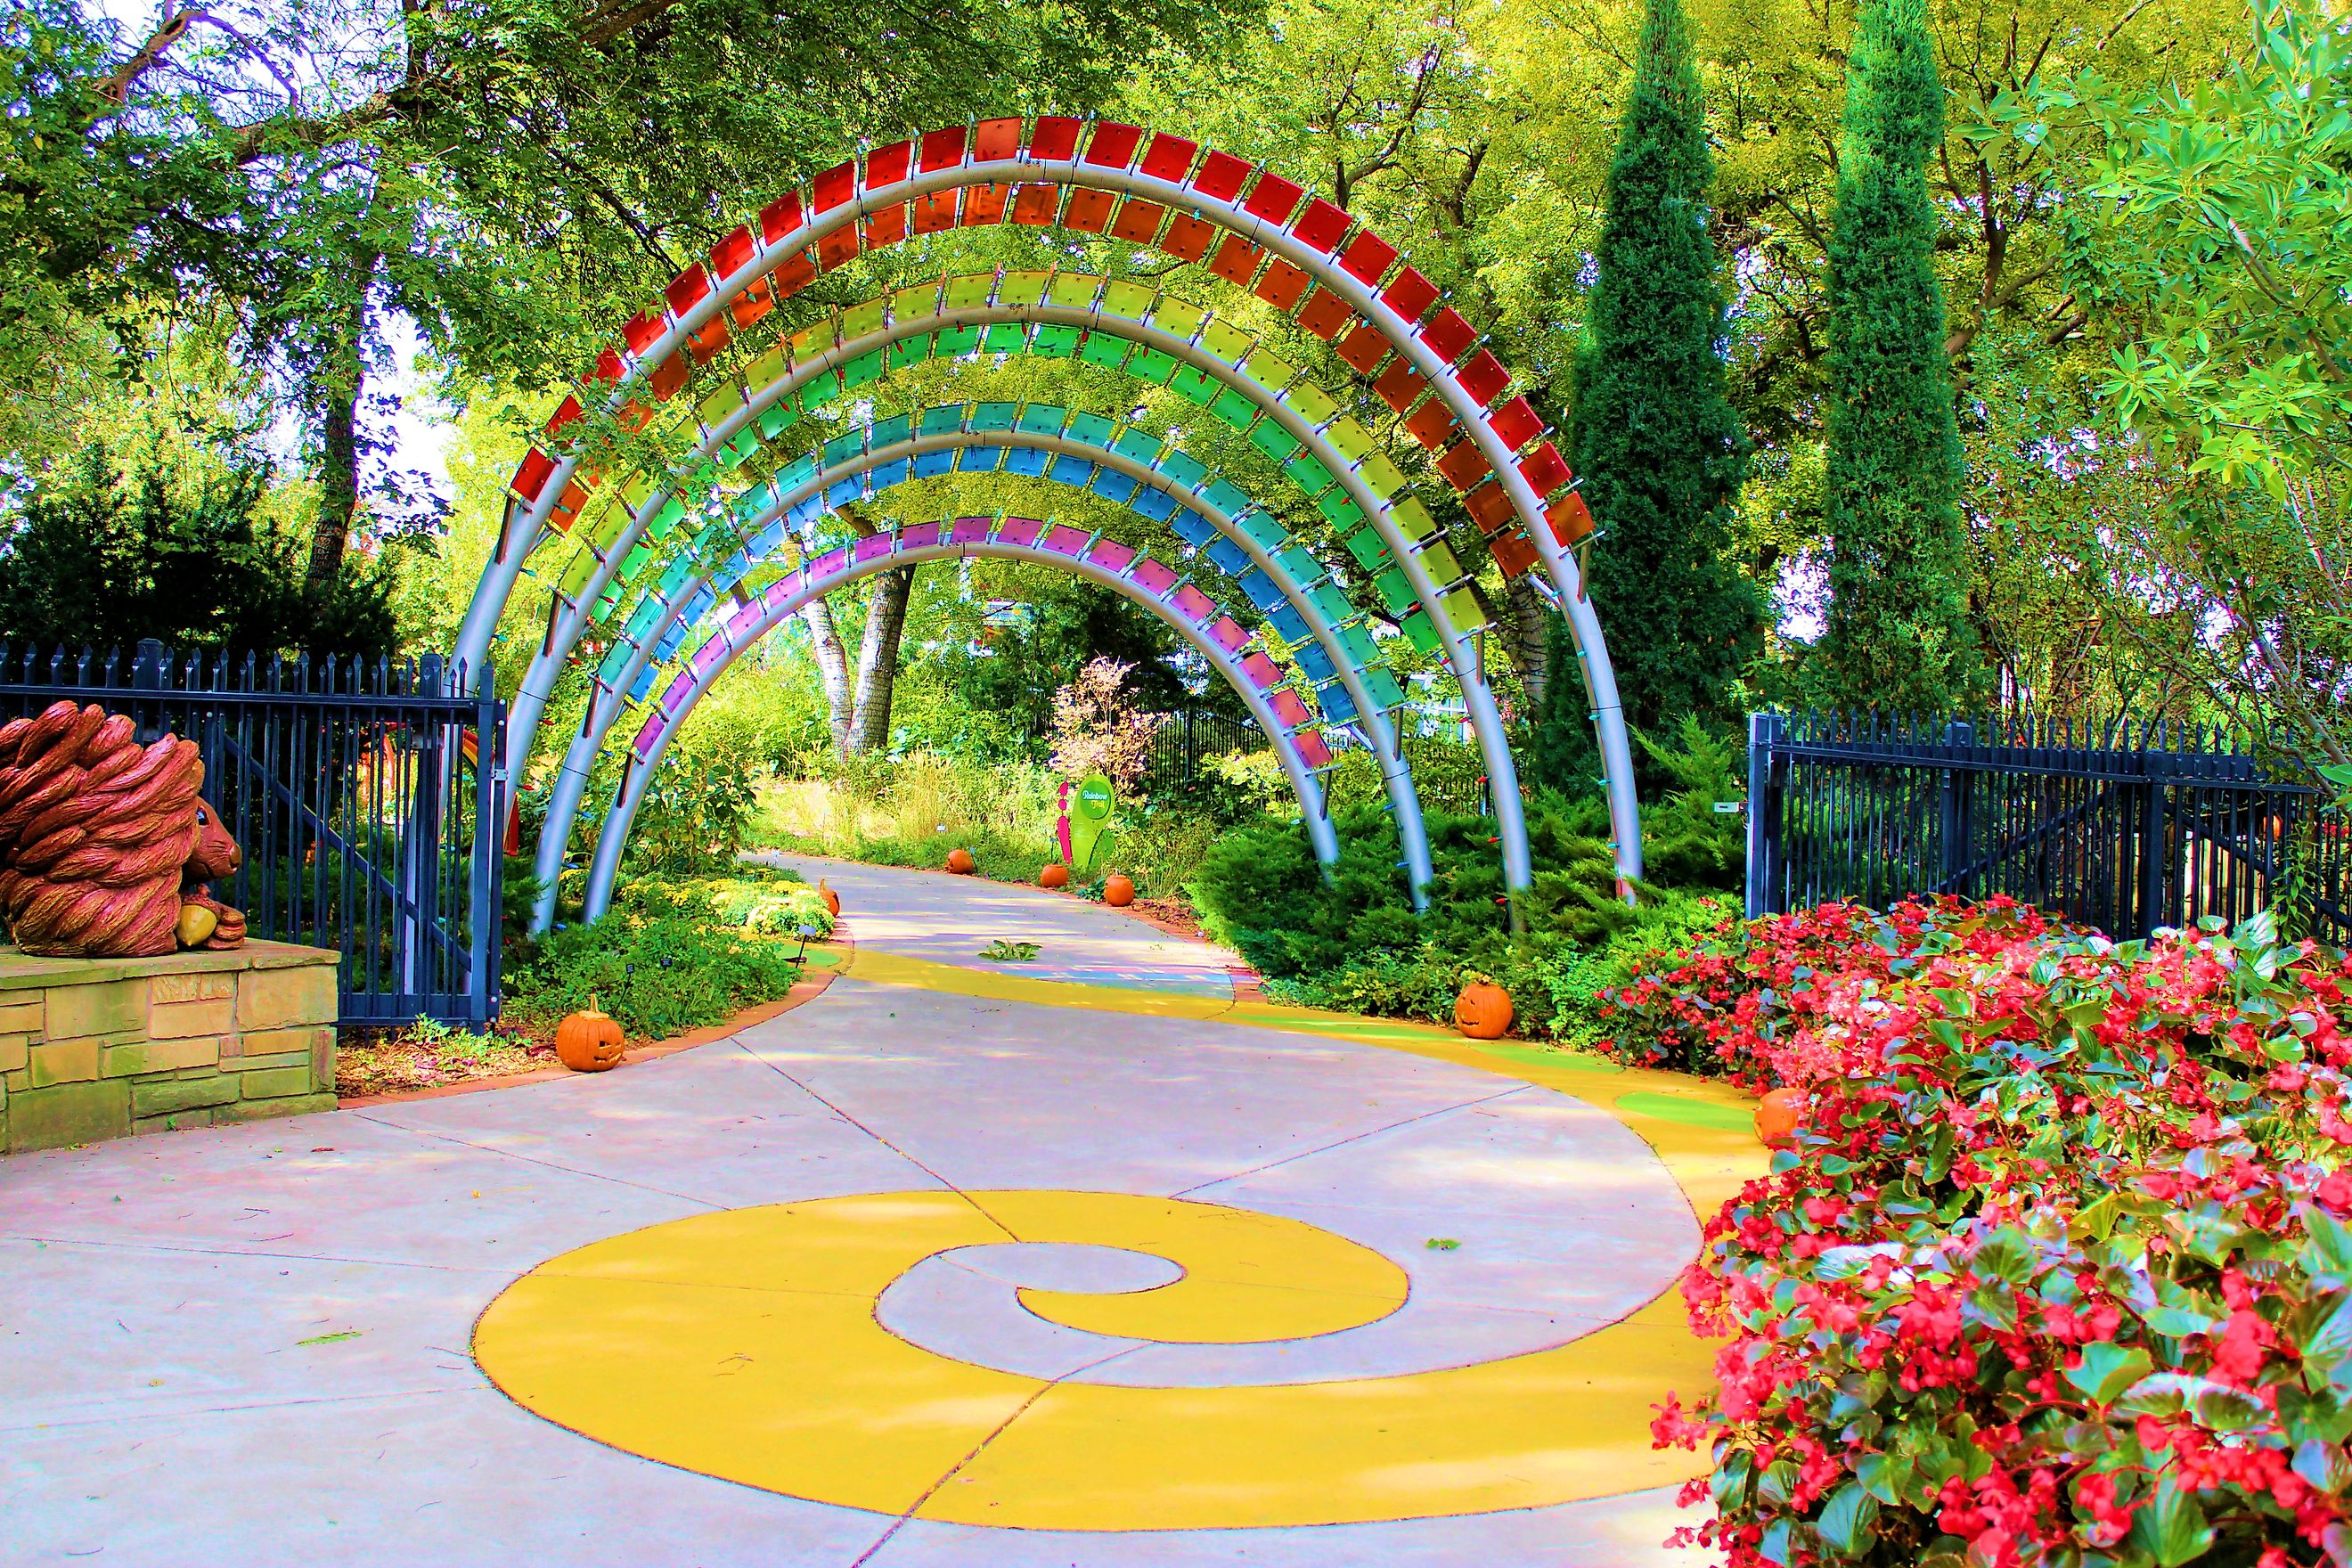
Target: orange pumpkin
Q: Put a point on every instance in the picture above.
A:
(1054, 876)
(1482, 1011)
(1118, 892)
(960, 862)
(588, 1041)
(832, 899)
(1776, 1115)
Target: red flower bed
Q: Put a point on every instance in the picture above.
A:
(2057, 1272)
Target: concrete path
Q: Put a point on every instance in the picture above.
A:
(254, 1345)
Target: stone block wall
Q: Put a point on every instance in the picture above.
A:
(98, 1048)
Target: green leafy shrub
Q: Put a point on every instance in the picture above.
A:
(695, 813)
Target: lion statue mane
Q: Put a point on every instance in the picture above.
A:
(106, 845)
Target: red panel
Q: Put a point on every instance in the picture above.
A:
(1088, 211)
(1226, 635)
(732, 252)
(888, 165)
(1282, 285)
(1464, 468)
(1545, 469)
(1188, 237)
(1364, 348)
(1289, 710)
(533, 474)
(752, 303)
(984, 205)
(1112, 146)
(1367, 255)
(833, 187)
(1398, 385)
(1220, 176)
(886, 227)
(1322, 225)
(705, 342)
(1483, 377)
(667, 378)
(609, 369)
(640, 330)
(1570, 518)
(1262, 671)
(1516, 422)
(779, 218)
(793, 276)
(1512, 554)
(1272, 198)
(941, 149)
(1138, 221)
(1055, 138)
(1034, 203)
(1448, 334)
(1409, 293)
(1194, 605)
(565, 413)
(1236, 260)
(1170, 158)
(1431, 424)
(935, 212)
(992, 141)
(838, 248)
(1311, 750)
(689, 287)
(1326, 315)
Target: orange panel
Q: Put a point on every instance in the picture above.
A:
(1570, 518)
(1034, 203)
(1282, 285)
(1364, 348)
(1463, 466)
(752, 303)
(1188, 237)
(1326, 315)
(1236, 260)
(984, 204)
(1399, 385)
(1088, 211)
(793, 276)
(838, 248)
(935, 212)
(886, 227)
(669, 377)
(1138, 221)
(705, 342)
(1431, 424)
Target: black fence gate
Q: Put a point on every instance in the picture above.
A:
(365, 794)
(2120, 827)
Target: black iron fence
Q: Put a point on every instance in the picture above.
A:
(1182, 745)
(363, 794)
(2117, 827)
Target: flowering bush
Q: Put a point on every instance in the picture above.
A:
(2057, 1272)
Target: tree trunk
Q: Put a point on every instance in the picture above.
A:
(833, 664)
(338, 387)
(1525, 623)
(878, 658)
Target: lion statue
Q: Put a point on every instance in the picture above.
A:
(106, 850)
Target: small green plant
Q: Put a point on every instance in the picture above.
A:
(1441, 1244)
(1002, 951)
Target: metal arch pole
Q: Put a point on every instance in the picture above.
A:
(614, 837)
(570, 789)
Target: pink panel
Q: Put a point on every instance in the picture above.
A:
(888, 165)
(781, 591)
(1312, 750)
(651, 731)
(1019, 530)
(967, 531)
(675, 693)
(874, 548)
(1228, 635)
(1110, 553)
(1261, 669)
(1155, 577)
(1288, 708)
(740, 624)
(1194, 605)
(828, 564)
(920, 537)
(1065, 539)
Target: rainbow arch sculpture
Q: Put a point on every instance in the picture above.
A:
(1337, 280)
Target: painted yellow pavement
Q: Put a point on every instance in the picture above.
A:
(744, 1345)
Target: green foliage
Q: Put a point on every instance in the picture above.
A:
(1654, 439)
(1897, 635)
(104, 554)
(696, 812)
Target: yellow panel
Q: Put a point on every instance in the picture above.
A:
(971, 288)
(1413, 518)
(1073, 291)
(725, 399)
(766, 370)
(1131, 300)
(861, 319)
(810, 342)
(1313, 403)
(1271, 371)
(915, 304)
(635, 489)
(1442, 565)
(1178, 317)
(1352, 441)
(1385, 478)
(1228, 344)
(1021, 288)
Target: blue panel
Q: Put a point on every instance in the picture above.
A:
(768, 538)
(754, 502)
(1290, 623)
(844, 492)
(1193, 528)
(1230, 556)
(1339, 708)
(803, 514)
(1315, 662)
(1025, 460)
(1073, 471)
(1226, 497)
(981, 459)
(841, 448)
(737, 565)
(1157, 505)
(889, 474)
(702, 600)
(932, 464)
(1260, 589)
(668, 645)
(724, 579)
(1113, 487)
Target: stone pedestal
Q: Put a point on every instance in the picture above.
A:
(103, 1048)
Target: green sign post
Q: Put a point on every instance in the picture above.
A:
(1091, 805)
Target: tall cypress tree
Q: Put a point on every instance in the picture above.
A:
(1897, 635)
(1653, 435)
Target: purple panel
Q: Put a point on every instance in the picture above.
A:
(828, 564)
(1227, 635)
(1261, 669)
(739, 624)
(1289, 710)
(1194, 605)
(1020, 531)
(1110, 553)
(706, 656)
(874, 548)
(967, 531)
(783, 589)
(920, 537)
(675, 693)
(1065, 539)
(1155, 577)
(651, 731)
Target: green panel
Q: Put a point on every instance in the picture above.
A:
(1055, 342)
(860, 320)
(634, 561)
(1178, 317)
(1359, 644)
(954, 342)
(1092, 428)
(1422, 633)
(944, 421)
(1185, 468)
(1269, 371)
(909, 352)
(1383, 475)
(1005, 338)
(1365, 545)
(1335, 603)
(1312, 401)
(1309, 474)
(1395, 591)
(862, 369)
(1021, 288)
(1441, 564)
(1105, 348)
(1267, 533)
(1413, 518)
(1299, 564)
(1073, 291)
(1462, 607)
(1274, 440)
(606, 603)
(842, 448)
(914, 304)
(746, 442)
(1228, 344)
(1341, 512)
(764, 371)
(994, 415)
(1234, 409)
(1140, 445)
(777, 417)
(724, 399)
(1193, 386)
(1381, 686)
(666, 520)
(1042, 419)
(1226, 497)
(970, 290)
(1151, 365)
(1130, 301)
